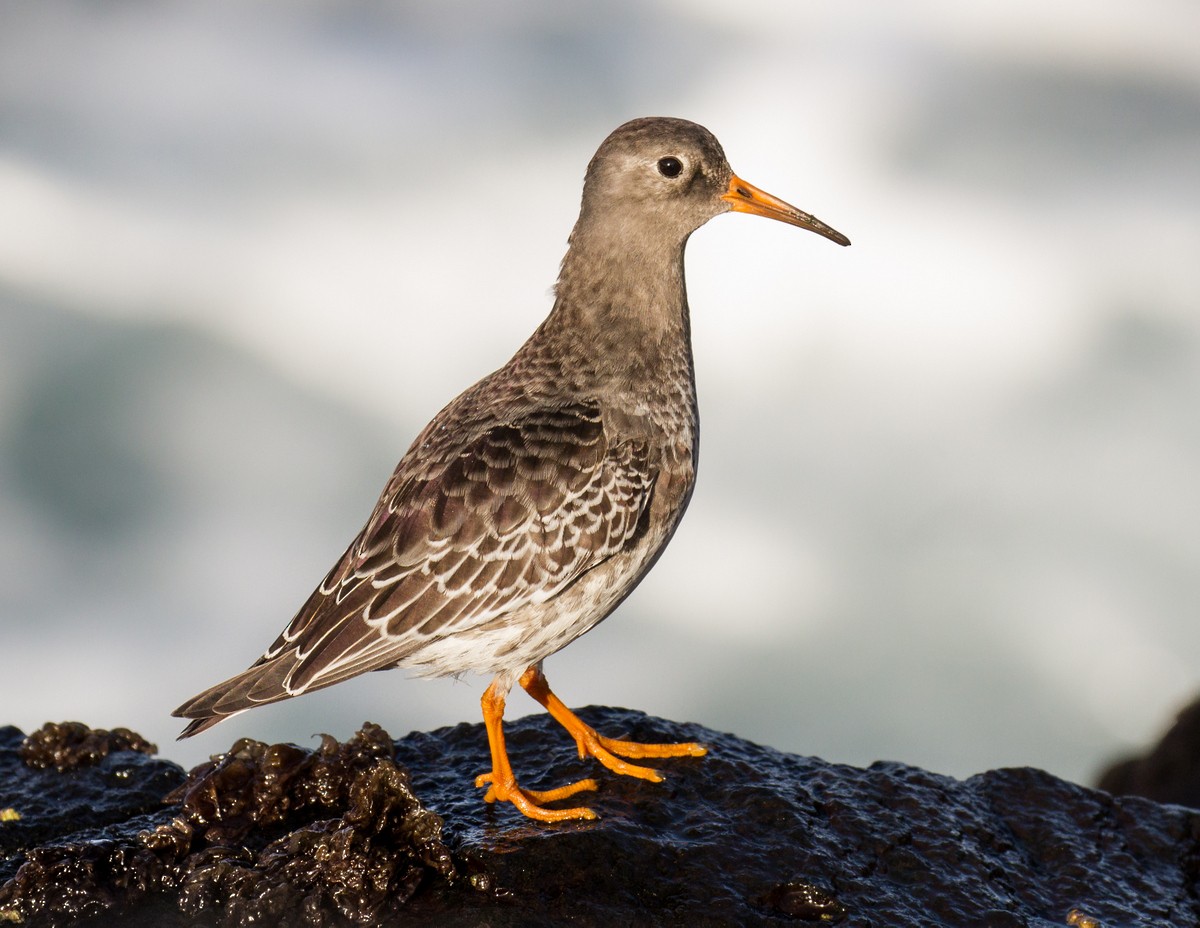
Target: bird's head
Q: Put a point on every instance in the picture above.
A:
(660, 179)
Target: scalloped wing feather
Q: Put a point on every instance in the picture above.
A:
(508, 519)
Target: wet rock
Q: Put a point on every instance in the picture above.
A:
(70, 745)
(805, 902)
(1169, 772)
(731, 838)
(264, 834)
(357, 867)
(744, 836)
(46, 807)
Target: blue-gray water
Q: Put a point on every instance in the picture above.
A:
(948, 498)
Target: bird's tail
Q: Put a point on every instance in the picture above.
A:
(198, 725)
(257, 685)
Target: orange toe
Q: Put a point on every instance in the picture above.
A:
(502, 784)
(531, 801)
(593, 744)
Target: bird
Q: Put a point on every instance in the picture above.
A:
(531, 506)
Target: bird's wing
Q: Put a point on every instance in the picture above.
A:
(508, 518)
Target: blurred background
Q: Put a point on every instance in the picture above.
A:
(948, 509)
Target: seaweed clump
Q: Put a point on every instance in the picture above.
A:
(264, 834)
(71, 745)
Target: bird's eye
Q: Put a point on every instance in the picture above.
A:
(669, 167)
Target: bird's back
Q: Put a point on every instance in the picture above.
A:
(520, 517)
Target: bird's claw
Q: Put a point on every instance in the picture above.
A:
(531, 801)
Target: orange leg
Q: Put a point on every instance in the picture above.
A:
(533, 681)
(503, 785)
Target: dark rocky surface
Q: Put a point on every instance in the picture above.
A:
(1168, 772)
(745, 836)
(263, 834)
(71, 745)
(117, 788)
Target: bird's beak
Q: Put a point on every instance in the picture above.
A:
(746, 198)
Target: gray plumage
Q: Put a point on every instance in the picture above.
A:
(537, 500)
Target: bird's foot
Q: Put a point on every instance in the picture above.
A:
(593, 744)
(531, 801)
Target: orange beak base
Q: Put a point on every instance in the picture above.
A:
(746, 198)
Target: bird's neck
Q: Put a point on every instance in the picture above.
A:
(615, 300)
(622, 338)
